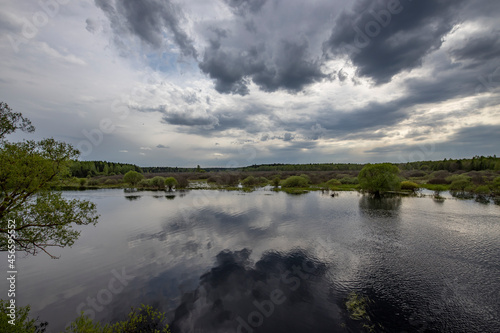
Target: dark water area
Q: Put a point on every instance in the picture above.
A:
(219, 261)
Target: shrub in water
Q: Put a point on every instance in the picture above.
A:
(409, 186)
(295, 181)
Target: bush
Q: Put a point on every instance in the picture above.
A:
(170, 182)
(482, 190)
(144, 183)
(82, 181)
(22, 324)
(93, 182)
(250, 181)
(276, 181)
(182, 182)
(349, 180)
(111, 182)
(295, 181)
(333, 182)
(438, 181)
(144, 319)
(158, 182)
(417, 173)
(409, 186)
(461, 184)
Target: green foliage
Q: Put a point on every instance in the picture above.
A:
(95, 168)
(84, 324)
(170, 182)
(27, 170)
(460, 184)
(158, 182)
(11, 121)
(276, 181)
(409, 186)
(482, 190)
(22, 324)
(333, 183)
(349, 180)
(133, 177)
(379, 178)
(250, 181)
(295, 181)
(82, 181)
(144, 320)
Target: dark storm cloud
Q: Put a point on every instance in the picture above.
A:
(385, 37)
(148, 19)
(290, 69)
(480, 49)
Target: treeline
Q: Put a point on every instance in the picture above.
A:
(305, 167)
(477, 163)
(83, 169)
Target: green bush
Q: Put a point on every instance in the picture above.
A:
(82, 181)
(22, 324)
(93, 182)
(295, 181)
(461, 184)
(170, 182)
(482, 190)
(333, 182)
(349, 180)
(454, 178)
(158, 182)
(409, 186)
(250, 181)
(144, 183)
(276, 181)
(144, 320)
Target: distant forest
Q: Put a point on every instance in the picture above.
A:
(83, 169)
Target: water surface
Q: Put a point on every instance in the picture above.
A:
(220, 261)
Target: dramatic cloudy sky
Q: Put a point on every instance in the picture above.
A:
(238, 82)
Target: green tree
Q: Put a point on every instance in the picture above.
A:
(295, 181)
(379, 178)
(133, 177)
(158, 182)
(170, 182)
(40, 218)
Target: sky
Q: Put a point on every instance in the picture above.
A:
(226, 83)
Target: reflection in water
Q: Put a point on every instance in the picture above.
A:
(426, 267)
(283, 292)
(384, 207)
(132, 197)
(170, 196)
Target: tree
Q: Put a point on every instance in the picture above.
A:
(379, 178)
(158, 182)
(295, 181)
(171, 182)
(132, 177)
(39, 217)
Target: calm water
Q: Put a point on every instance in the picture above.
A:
(270, 262)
